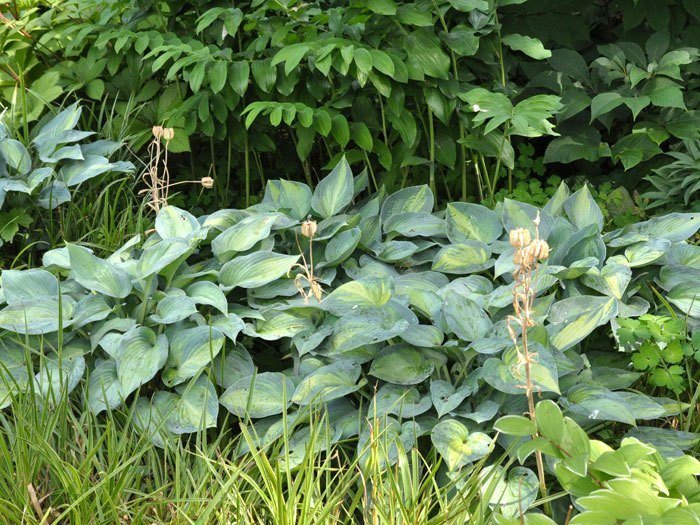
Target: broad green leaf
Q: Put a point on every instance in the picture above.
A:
(261, 395)
(208, 293)
(231, 365)
(141, 354)
(427, 336)
(532, 47)
(358, 330)
(465, 318)
(36, 317)
(425, 55)
(604, 103)
(334, 192)
(28, 285)
(612, 280)
(16, 155)
(59, 374)
(243, 235)
(403, 402)
(158, 256)
(174, 223)
(415, 224)
(363, 293)
(173, 308)
(463, 258)
(255, 270)
(413, 198)
(645, 253)
(446, 397)
(583, 210)
(598, 403)
(293, 197)
(508, 375)
(466, 221)
(402, 365)
(515, 425)
(327, 383)
(98, 275)
(195, 409)
(341, 247)
(577, 317)
(279, 324)
(191, 349)
(104, 392)
(457, 446)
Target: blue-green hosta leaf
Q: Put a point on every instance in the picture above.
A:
(191, 349)
(392, 251)
(104, 391)
(467, 221)
(482, 413)
(413, 198)
(516, 214)
(334, 192)
(60, 373)
(579, 245)
(341, 247)
(38, 316)
(98, 275)
(327, 383)
(156, 257)
(401, 401)
(243, 235)
(508, 374)
(78, 171)
(206, 292)
(669, 442)
(309, 340)
(514, 491)
(53, 195)
(231, 365)
(196, 407)
(14, 374)
(356, 295)
(261, 395)
(357, 330)
(464, 258)
(575, 318)
(575, 269)
(457, 446)
(415, 224)
(426, 336)
(582, 209)
(255, 270)
(555, 205)
(465, 318)
(682, 254)
(686, 297)
(281, 323)
(89, 309)
(27, 285)
(421, 289)
(174, 223)
(612, 280)
(140, 355)
(675, 227)
(150, 417)
(173, 308)
(644, 253)
(446, 397)
(16, 155)
(597, 403)
(292, 197)
(59, 130)
(402, 364)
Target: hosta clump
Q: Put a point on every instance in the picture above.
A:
(207, 313)
(44, 172)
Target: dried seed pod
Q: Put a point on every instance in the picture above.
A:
(519, 237)
(540, 249)
(518, 257)
(157, 132)
(308, 228)
(168, 133)
(207, 182)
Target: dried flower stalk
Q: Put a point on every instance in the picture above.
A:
(157, 176)
(308, 230)
(528, 254)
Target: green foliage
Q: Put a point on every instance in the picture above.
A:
(436, 92)
(208, 311)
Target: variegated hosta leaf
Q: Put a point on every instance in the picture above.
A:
(411, 199)
(243, 235)
(290, 196)
(140, 356)
(457, 446)
(467, 221)
(327, 383)
(575, 318)
(334, 192)
(255, 270)
(259, 395)
(98, 275)
(464, 258)
(401, 401)
(359, 294)
(191, 349)
(402, 365)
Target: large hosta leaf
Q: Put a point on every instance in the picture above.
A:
(195, 407)
(60, 373)
(457, 446)
(27, 285)
(362, 293)
(466, 221)
(14, 374)
(575, 318)
(334, 192)
(98, 275)
(256, 269)
(260, 395)
(140, 355)
(191, 349)
(174, 223)
(465, 318)
(402, 365)
(404, 402)
(412, 199)
(293, 197)
(104, 391)
(38, 316)
(244, 234)
(327, 383)
(464, 258)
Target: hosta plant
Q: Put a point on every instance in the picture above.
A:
(44, 170)
(405, 332)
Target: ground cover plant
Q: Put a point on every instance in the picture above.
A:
(377, 315)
